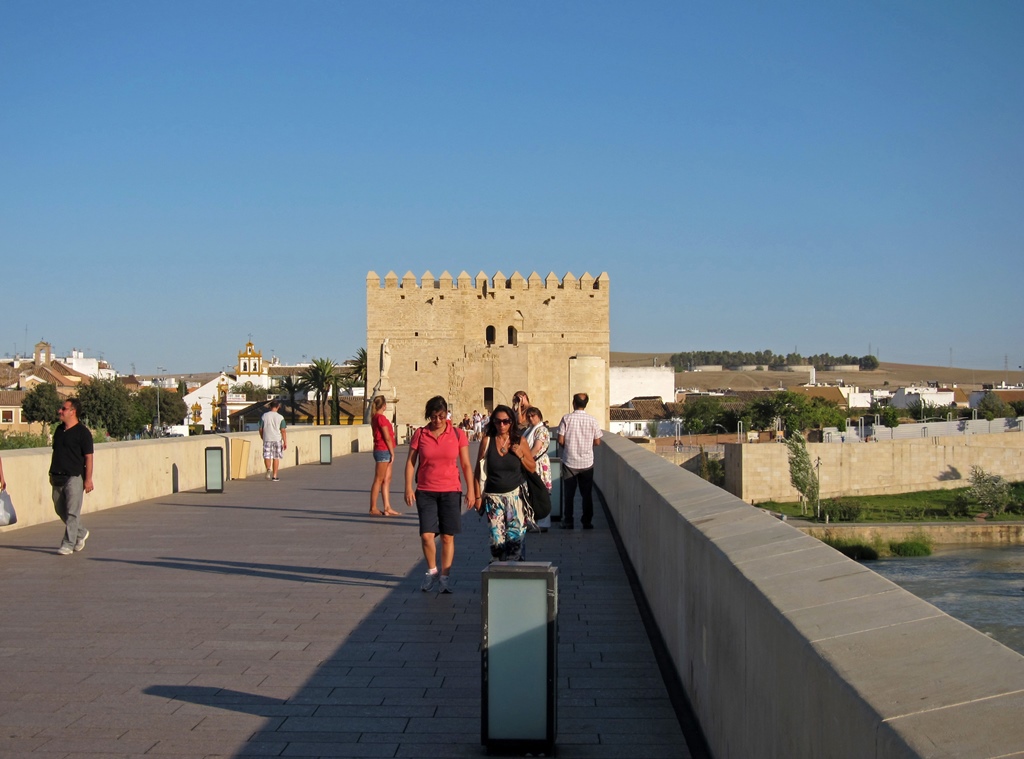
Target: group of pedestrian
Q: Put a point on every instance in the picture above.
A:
(513, 440)
(474, 425)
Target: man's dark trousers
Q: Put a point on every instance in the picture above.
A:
(585, 479)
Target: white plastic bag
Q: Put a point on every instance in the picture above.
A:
(7, 513)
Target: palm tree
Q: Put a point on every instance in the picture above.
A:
(318, 377)
(357, 373)
(293, 387)
(358, 364)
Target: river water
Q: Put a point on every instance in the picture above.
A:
(982, 586)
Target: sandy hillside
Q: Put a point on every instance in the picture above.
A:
(895, 375)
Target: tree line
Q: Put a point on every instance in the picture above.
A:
(109, 405)
(768, 359)
(786, 409)
(795, 412)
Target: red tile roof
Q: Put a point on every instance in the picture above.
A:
(12, 397)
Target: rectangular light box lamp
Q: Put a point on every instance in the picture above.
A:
(518, 658)
(326, 442)
(214, 469)
(556, 489)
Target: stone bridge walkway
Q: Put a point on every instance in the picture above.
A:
(279, 619)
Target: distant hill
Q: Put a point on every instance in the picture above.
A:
(895, 375)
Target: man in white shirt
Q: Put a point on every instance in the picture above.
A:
(274, 435)
(578, 435)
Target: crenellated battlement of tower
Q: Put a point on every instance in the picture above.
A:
(482, 283)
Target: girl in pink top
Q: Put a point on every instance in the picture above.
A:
(384, 455)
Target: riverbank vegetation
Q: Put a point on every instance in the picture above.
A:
(918, 544)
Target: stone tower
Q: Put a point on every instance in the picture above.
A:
(477, 340)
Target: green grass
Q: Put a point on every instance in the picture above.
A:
(920, 506)
(918, 545)
(854, 549)
(910, 548)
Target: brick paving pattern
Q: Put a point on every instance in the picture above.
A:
(280, 619)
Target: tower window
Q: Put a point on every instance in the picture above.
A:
(490, 335)
(513, 336)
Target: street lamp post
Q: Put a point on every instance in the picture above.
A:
(157, 430)
(817, 476)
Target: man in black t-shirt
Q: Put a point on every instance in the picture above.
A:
(71, 474)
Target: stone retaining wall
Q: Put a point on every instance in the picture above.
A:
(786, 648)
(760, 472)
(961, 533)
(138, 470)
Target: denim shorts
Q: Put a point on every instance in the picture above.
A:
(382, 457)
(439, 512)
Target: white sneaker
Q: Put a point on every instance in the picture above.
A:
(268, 475)
(81, 541)
(445, 588)
(65, 551)
(428, 582)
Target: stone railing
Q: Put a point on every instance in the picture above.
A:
(138, 470)
(786, 648)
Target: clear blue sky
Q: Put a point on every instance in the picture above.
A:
(821, 176)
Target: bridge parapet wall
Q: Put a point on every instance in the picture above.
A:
(138, 470)
(785, 647)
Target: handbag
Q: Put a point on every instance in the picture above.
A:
(7, 513)
(536, 494)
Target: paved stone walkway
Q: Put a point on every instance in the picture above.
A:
(279, 619)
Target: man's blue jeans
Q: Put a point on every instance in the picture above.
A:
(67, 502)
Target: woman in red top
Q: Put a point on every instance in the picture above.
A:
(440, 449)
(384, 455)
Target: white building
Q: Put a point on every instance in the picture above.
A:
(907, 397)
(627, 382)
(202, 401)
(77, 360)
(93, 367)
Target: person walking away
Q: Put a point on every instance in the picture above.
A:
(384, 456)
(504, 454)
(71, 474)
(274, 434)
(538, 437)
(437, 452)
(578, 434)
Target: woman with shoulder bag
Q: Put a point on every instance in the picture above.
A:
(502, 457)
